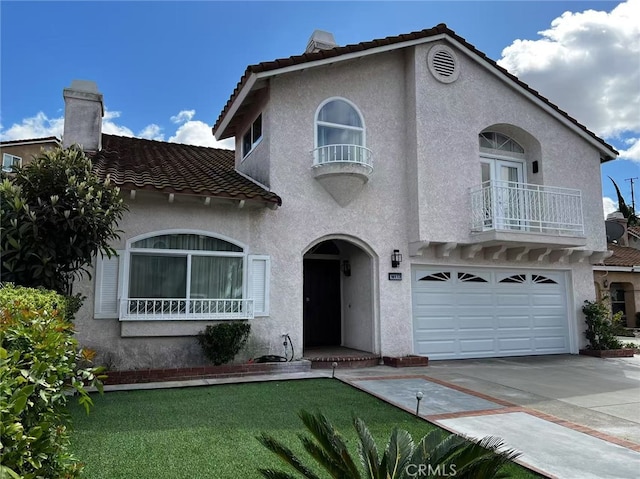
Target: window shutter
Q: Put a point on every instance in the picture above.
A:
(107, 286)
(259, 278)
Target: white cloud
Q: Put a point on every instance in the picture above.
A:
(586, 63)
(152, 132)
(633, 151)
(112, 128)
(191, 132)
(609, 206)
(183, 116)
(196, 132)
(37, 126)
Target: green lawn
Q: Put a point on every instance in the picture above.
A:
(209, 432)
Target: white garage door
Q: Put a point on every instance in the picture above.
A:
(478, 313)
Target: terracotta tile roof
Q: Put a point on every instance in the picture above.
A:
(622, 256)
(399, 39)
(139, 164)
(32, 140)
(634, 230)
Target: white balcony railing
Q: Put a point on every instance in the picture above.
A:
(156, 309)
(342, 154)
(506, 205)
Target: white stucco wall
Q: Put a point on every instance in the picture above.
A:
(450, 117)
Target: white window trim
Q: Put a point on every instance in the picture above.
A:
(254, 143)
(12, 160)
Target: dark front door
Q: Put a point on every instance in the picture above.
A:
(321, 302)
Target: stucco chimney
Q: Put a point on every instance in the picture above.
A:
(320, 40)
(83, 112)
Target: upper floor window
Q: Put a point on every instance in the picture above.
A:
(497, 141)
(9, 161)
(340, 133)
(252, 137)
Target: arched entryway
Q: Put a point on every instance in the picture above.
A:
(339, 295)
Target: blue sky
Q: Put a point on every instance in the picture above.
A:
(166, 69)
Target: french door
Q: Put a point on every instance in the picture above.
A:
(502, 180)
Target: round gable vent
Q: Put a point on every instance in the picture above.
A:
(443, 64)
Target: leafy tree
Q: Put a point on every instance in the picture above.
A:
(626, 210)
(56, 216)
(438, 454)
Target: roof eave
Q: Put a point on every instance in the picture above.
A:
(275, 202)
(220, 133)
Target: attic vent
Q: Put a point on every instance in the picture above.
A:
(443, 64)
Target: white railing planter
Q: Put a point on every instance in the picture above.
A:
(178, 309)
(332, 154)
(510, 206)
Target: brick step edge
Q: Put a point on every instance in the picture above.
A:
(608, 353)
(405, 361)
(204, 372)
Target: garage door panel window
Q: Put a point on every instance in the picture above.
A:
(442, 276)
(539, 279)
(471, 278)
(514, 279)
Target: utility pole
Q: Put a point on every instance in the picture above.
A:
(633, 200)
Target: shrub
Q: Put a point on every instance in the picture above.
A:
(38, 371)
(56, 215)
(221, 342)
(601, 325)
(445, 454)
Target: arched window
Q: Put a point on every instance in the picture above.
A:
(497, 141)
(185, 266)
(182, 275)
(340, 133)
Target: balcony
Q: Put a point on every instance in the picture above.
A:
(177, 309)
(342, 170)
(504, 211)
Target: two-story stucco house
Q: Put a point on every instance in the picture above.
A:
(399, 196)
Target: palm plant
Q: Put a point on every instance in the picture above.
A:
(626, 210)
(438, 454)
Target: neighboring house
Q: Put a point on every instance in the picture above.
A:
(399, 196)
(618, 276)
(20, 152)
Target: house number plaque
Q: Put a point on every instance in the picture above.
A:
(395, 276)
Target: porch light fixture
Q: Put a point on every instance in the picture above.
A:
(346, 267)
(396, 258)
(419, 397)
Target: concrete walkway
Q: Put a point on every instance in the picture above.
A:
(571, 416)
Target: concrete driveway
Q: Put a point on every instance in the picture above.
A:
(570, 416)
(602, 394)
